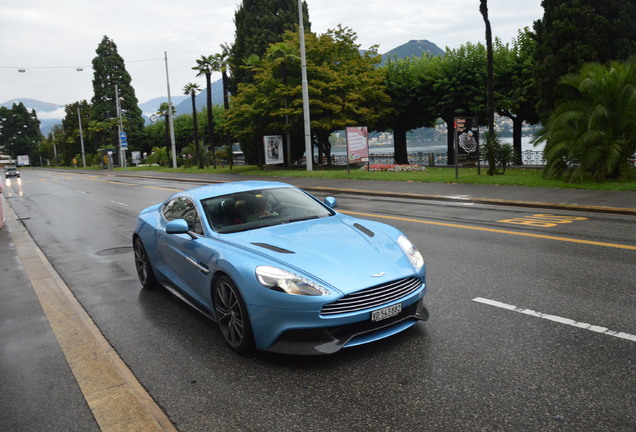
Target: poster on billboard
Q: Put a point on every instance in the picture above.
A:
(357, 144)
(467, 138)
(273, 149)
(23, 160)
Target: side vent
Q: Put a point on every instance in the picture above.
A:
(367, 231)
(273, 248)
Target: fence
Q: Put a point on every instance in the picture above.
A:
(528, 157)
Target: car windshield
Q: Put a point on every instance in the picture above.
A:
(260, 208)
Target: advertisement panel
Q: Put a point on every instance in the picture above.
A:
(467, 138)
(23, 160)
(273, 149)
(357, 144)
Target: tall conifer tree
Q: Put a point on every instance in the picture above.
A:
(109, 71)
(260, 23)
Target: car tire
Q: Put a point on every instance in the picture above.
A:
(142, 264)
(231, 315)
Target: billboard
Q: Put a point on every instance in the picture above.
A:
(23, 160)
(467, 138)
(273, 149)
(357, 144)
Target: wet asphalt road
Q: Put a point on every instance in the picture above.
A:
(471, 367)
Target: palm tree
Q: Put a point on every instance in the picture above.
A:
(594, 133)
(224, 63)
(192, 90)
(490, 92)
(163, 111)
(205, 66)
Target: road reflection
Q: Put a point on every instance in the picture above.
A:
(13, 187)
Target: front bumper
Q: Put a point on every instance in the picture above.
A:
(328, 340)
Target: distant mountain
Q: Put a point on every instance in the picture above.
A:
(151, 107)
(413, 48)
(37, 105)
(185, 107)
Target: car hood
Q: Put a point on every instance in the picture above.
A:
(345, 253)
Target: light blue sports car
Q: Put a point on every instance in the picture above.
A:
(278, 269)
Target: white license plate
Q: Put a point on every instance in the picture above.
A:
(386, 312)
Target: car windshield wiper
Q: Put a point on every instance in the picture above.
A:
(302, 218)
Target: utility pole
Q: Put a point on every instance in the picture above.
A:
(170, 119)
(309, 154)
(79, 119)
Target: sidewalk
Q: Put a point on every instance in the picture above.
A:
(39, 391)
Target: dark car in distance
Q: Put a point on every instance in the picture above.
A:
(11, 172)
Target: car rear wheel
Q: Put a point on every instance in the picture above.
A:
(231, 315)
(142, 264)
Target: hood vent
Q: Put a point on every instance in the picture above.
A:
(367, 231)
(273, 248)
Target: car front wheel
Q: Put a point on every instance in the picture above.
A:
(231, 315)
(142, 264)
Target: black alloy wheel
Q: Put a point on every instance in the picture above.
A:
(231, 315)
(142, 264)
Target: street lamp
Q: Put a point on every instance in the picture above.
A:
(303, 66)
(122, 151)
(170, 116)
(79, 118)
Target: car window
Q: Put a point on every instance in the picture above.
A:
(183, 208)
(255, 209)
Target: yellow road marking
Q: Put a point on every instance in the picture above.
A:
(160, 188)
(494, 230)
(112, 182)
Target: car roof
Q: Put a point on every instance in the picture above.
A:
(213, 190)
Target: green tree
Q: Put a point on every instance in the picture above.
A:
(260, 23)
(192, 90)
(70, 127)
(109, 71)
(594, 133)
(410, 88)
(346, 88)
(459, 87)
(20, 132)
(515, 89)
(490, 90)
(573, 32)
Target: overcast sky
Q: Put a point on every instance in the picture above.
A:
(50, 39)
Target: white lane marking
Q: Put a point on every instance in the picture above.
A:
(555, 318)
(119, 203)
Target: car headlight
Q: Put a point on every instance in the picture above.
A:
(284, 281)
(411, 252)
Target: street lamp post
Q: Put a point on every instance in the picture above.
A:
(79, 118)
(170, 118)
(122, 151)
(303, 66)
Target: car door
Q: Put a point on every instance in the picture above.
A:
(187, 259)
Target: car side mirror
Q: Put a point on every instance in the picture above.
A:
(178, 226)
(331, 202)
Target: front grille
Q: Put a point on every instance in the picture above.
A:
(372, 297)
